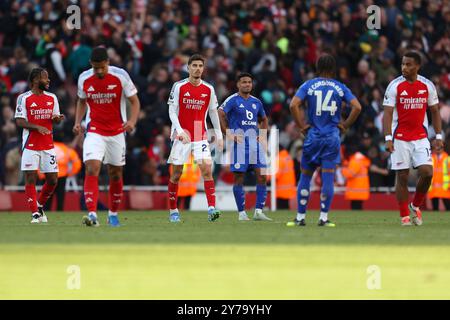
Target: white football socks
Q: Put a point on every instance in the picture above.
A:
(324, 216)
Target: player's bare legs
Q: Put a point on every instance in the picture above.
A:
(239, 195)
(205, 166)
(177, 171)
(51, 180)
(423, 184)
(115, 193)
(261, 194)
(401, 191)
(91, 191)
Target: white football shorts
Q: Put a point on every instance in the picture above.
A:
(411, 153)
(109, 149)
(44, 160)
(179, 154)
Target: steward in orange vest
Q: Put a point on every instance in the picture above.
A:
(187, 186)
(286, 188)
(438, 189)
(69, 164)
(356, 172)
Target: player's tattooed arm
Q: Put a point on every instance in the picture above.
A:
(58, 118)
(263, 123)
(437, 125)
(23, 123)
(298, 114)
(228, 133)
(79, 115)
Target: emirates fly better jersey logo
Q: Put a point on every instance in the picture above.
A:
(102, 98)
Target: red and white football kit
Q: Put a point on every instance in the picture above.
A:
(191, 104)
(410, 123)
(106, 101)
(38, 149)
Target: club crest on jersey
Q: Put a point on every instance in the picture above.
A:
(204, 95)
(187, 94)
(254, 106)
(422, 91)
(49, 103)
(90, 89)
(112, 86)
(404, 93)
(33, 104)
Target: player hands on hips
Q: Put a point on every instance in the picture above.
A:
(321, 148)
(104, 90)
(36, 111)
(405, 128)
(241, 117)
(189, 102)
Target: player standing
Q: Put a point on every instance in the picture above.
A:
(36, 111)
(189, 101)
(104, 91)
(241, 113)
(405, 127)
(324, 97)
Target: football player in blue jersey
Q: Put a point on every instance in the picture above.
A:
(242, 116)
(324, 98)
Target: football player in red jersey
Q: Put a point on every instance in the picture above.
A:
(190, 101)
(103, 91)
(406, 133)
(36, 111)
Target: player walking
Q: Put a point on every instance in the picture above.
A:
(405, 127)
(189, 101)
(321, 147)
(240, 114)
(36, 111)
(103, 90)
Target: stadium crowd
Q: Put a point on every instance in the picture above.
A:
(277, 41)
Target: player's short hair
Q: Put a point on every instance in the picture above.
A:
(196, 57)
(243, 75)
(35, 73)
(416, 56)
(99, 54)
(326, 64)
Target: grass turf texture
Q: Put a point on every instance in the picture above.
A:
(149, 258)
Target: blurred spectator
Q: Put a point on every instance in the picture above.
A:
(285, 179)
(69, 164)
(277, 40)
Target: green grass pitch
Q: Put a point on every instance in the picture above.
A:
(149, 258)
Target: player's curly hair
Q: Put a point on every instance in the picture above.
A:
(326, 64)
(35, 73)
(99, 54)
(415, 55)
